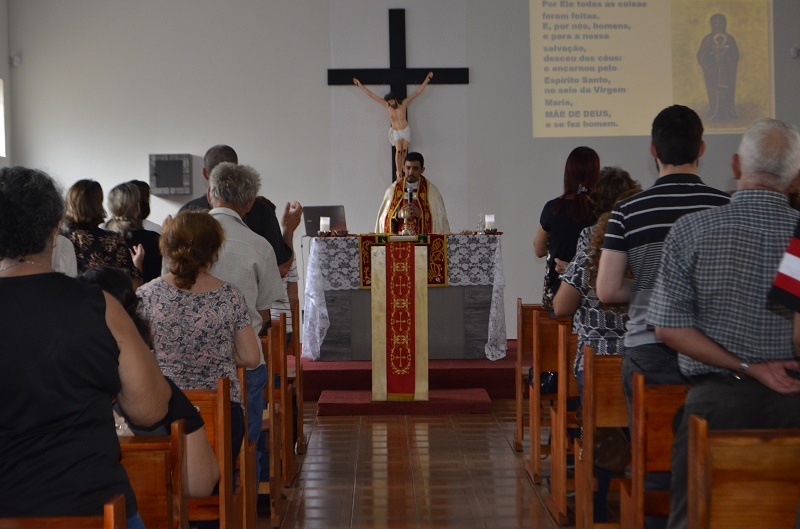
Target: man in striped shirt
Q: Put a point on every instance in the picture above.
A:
(635, 238)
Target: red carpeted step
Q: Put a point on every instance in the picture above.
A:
(441, 402)
(497, 378)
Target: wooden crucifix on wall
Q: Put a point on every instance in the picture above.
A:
(398, 76)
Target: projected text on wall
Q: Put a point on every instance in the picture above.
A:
(606, 68)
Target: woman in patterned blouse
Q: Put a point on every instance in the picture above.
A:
(95, 246)
(200, 326)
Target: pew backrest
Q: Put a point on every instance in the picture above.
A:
(742, 478)
(215, 408)
(113, 517)
(156, 468)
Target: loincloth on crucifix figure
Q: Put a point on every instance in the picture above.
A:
(400, 131)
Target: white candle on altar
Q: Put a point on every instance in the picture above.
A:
(489, 222)
(324, 224)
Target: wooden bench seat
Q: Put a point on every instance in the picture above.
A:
(113, 517)
(295, 374)
(156, 468)
(604, 406)
(524, 361)
(228, 505)
(544, 357)
(561, 419)
(651, 449)
(742, 478)
(275, 422)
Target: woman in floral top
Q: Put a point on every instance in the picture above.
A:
(200, 326)
(95, 246)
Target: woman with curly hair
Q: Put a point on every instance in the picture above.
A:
(600, 326)
(95, 246)
(68, 348)
(200, 325)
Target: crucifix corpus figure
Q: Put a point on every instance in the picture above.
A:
(400, 133)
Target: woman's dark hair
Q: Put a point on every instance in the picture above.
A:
(144, 198)
(85, 205)
(580, 177)
(190, 243)
(612, 183)
(31, 207)
(118, 283)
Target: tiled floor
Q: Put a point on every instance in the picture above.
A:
(454, 471)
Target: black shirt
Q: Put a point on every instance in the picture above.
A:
(59, 452)
(562, 235)
(151, 268)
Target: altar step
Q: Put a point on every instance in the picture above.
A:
(440, 402)
(497, 377)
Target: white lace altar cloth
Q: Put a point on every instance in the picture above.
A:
(472, 260)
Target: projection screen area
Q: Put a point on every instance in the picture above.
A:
(605, 68)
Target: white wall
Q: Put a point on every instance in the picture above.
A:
(436, 36)
(103, 84)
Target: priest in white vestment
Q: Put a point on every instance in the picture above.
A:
(427, 199)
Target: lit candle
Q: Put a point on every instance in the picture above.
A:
(489, 222)
(324, 224)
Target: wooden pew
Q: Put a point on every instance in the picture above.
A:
(560, 420)
(215, 408)
(295, 373)
(274, 420)
(283, 396)
(156, 468)
(742, 478)
(113, 517)
(245, 496)
(544, 338)
(604, 406)
(651, 449)
(524, 361)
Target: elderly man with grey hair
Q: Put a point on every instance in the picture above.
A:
(246, 260)
(710, 301)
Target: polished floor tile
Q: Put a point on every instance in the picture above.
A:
(413, 472)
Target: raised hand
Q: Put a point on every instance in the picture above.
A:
(137, 255)
(291, 216)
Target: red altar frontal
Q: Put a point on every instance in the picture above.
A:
(399, 322)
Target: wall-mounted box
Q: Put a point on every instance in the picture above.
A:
(171, 174)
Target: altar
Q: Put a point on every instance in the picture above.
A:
(466, 318)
